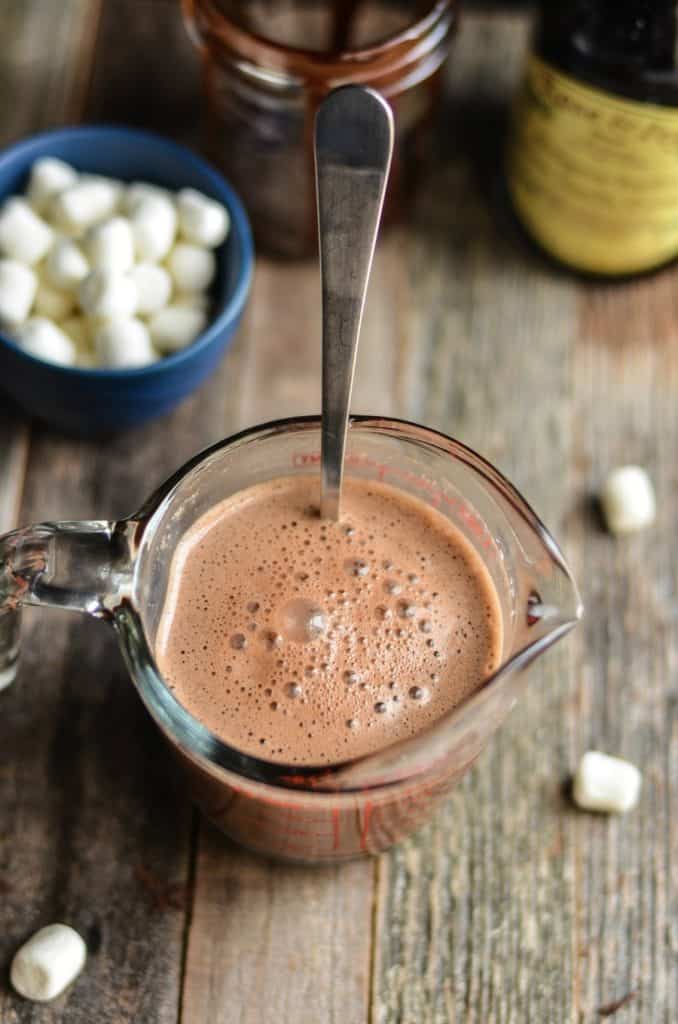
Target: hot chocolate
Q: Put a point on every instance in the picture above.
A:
(305, 641)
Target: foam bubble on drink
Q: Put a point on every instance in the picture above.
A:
(302, 620)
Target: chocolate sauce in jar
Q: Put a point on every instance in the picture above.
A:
(268, 64)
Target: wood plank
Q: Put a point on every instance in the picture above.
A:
(626, 702)
(276, 942)
(475, 914)
(86, 790)
(13, 454)
(149, 74)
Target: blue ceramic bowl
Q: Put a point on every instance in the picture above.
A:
(82, 401)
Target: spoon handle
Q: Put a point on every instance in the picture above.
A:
(353, 147)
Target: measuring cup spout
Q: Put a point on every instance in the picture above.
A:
(549, 604)
(83, 566)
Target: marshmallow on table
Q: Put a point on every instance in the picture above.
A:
(54, 303)
(44, 340)
(174, 327)
(48, 177)
(23, 235)
(47, 964)
(106, 293)
(627, 500)
(124, 342)
(606, 784)
(84, 203)
(110, 245)
(154, 287)
(192, 267)
(202, 220)
(18, 285)
(66, 265)
(154, 224)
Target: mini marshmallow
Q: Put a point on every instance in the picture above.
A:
(192, 300)
(49, 176)
(154, 287)
(23, 235)
(627, 500)
(124, 342)
(48, 963)
(106, 293)
(140, 190)
(66, 265)
(8, 675)
(85, 203)
(18, 285)
(110, 245)
(54, 303)
(78, 330)
(192, 267)
(174, 327)
(44, 340)
(86, 359)
(202, 220)
(607, 784)
(154, 224)
(116, 186)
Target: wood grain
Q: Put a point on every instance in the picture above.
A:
(150, 74)
(276, 941)
(626, 353)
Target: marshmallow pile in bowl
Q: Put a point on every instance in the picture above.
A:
(98, 273)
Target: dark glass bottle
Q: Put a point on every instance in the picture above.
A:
(592, 162)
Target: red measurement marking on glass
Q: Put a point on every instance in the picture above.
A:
(364, 824)
(435, 494)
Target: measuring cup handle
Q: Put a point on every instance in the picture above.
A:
(84, 566)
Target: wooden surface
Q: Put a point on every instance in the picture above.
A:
(510, 907)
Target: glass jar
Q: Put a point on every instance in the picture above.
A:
(593, 157)
(267, 65)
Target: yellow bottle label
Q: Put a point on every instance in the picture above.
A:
(594, 177)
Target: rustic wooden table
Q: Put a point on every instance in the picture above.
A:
(510, 906)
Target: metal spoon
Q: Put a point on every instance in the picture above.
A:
(353, 147)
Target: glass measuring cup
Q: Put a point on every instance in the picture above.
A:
(119, 571)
